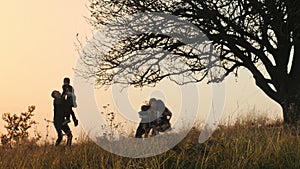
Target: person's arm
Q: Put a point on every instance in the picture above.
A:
(64, 90)
(143, 114)
(168, 113)
(71, 89)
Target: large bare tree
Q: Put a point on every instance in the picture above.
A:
(262, 36)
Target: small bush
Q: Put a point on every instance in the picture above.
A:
(17, 127)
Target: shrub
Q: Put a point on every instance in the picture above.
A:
(17, 127)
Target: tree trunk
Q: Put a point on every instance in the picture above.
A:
(290, 110)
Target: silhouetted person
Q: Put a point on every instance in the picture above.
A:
(60, 107)
(69, 96)
(164, 123)
(160, 116)
(144, 126)
(156, 109)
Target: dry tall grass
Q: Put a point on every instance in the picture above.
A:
(244, 145)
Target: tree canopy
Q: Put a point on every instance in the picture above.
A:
(262, 36)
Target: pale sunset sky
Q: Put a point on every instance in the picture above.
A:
(37, 50)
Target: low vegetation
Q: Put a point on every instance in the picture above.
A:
(246, 144)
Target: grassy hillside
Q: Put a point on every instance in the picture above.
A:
(247, 145)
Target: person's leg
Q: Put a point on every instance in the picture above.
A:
(68, 132)
(139, 131)
(73, 117)
(67, 118)
(164, 125)
(147, 129)
(59, 133)
(144, 129)
(154, 125)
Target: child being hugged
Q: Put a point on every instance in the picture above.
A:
(69, 96)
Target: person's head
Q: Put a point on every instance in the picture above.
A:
(160, 106)
(152, 102)
(66, 80)
(145, 107)
(55, 94)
